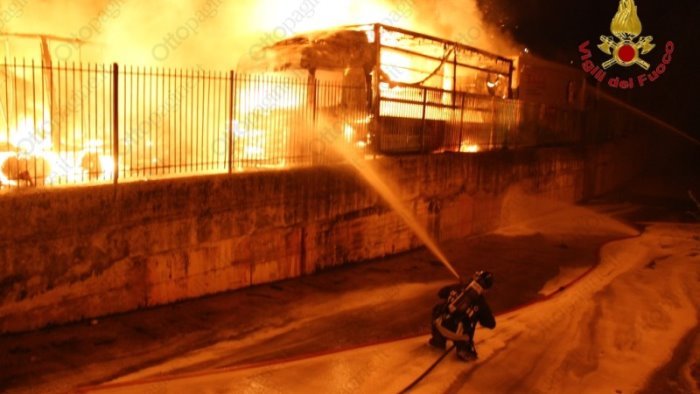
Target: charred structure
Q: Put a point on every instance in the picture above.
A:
(381, 89)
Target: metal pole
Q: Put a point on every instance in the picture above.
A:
(510, 80)
(376, 90)
(422, 128)
(231, 129)
(317, 86)
(461, 125)
(493, 122)
(115, 123)
(454, 79)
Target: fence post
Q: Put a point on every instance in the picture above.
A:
(454, 79)
(511, 70)
(312, 94)
(115, 123)
(317, 86)
(422, 127)
(461, 125)
(493, 123)
(375, 126)
(231, 128)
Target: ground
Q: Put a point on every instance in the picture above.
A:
(599, 298)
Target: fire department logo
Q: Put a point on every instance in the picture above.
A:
(625, 47)
(626, 50)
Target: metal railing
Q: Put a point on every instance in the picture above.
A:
(73, 124)
(77, 124)
(428, 120)
(55, 123)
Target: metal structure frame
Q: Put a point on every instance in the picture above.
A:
(76, 124)
(437, 111)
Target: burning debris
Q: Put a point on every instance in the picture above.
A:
(332, 49)
(414, 86)
(39, 101)
(380, 89)
(15, 170)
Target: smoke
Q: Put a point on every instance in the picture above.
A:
(218, 33)
(463, 21)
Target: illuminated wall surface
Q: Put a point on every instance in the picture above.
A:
(72, 253)
(260, 195)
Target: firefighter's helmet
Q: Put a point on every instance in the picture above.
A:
(484, 279)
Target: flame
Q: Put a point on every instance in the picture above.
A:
(348, 133)
(189, 33)
(5, 172)
(266, 147)
(118, 32)
(626, 24)
(269, 94)
(33, 159)
(468, 147)
(312, 15)
(94, 164)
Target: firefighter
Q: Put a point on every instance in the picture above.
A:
(462, 308)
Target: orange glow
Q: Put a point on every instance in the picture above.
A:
(33, 158)
(219, 34)
(267, 95)
(468, 147)
(258, 147)
(94, 164)
(348, 133)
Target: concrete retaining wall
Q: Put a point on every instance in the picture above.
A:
(70, 254)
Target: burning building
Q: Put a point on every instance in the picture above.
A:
(380, 89)
(45, 115)
(419, 91)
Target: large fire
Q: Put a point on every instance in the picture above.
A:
(414, 87)
(32, 159)
(216, 33)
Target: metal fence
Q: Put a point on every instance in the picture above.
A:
(72, 123)
(429, 119)
(55, 123)
(76, 124)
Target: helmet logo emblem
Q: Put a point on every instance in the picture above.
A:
(627, 45)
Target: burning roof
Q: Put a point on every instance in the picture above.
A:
(402, 56)
(328, 49)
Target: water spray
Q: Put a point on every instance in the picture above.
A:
(371, 176)
(653, 119)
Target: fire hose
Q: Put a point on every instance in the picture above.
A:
(427, 371)
(264, 364)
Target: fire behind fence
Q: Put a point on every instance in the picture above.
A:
(72, 124)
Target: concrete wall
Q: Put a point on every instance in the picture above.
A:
(70, 254)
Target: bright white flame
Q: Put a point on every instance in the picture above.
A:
(468, 147)
(270, 95)
(25, 139)
(348, 133)
(107, 163)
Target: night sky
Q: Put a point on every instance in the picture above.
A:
(554, 29)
